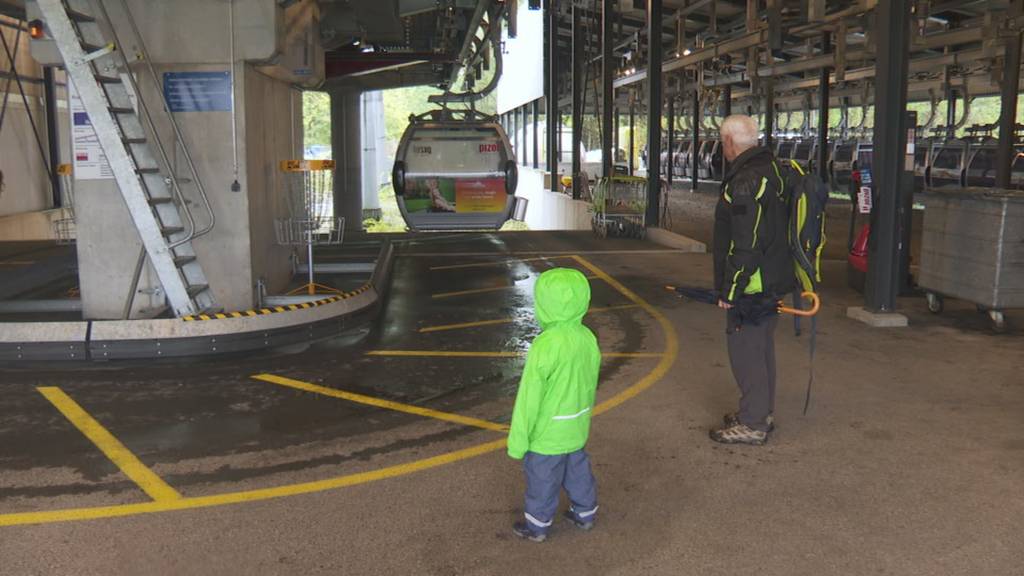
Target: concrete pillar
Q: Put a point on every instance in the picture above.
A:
(374, 141)
(347, 147)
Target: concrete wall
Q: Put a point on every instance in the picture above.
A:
(273, 120)
(191, 36)
(37, 225)
(550, 210)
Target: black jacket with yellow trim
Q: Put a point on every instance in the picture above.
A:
(750, 246)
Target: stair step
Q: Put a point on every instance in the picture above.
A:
(89, 47)
(180, 261)
(79, 16)
(169, 230)
(134, 140)
(197, 289)
(147, 170)
(108, 79)
(161, 200)
(122, 110)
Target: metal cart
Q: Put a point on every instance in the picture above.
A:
(973, 249)
(620, 207)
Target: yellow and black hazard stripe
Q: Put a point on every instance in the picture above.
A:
(277, 309)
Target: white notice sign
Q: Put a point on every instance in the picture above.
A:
(89, 160)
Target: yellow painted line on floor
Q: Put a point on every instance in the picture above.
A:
(70, 514)
(257, 495)
(463, 325)
(110, 446)
(482, 290)
(495, 354)
(380, 403)
(497, 262)
(632, 354)
(444, 354)
(671, 341)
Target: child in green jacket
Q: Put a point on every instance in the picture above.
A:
(551, 418)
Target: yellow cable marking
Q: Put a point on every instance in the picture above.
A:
(482, 290)
(121, 510)
(204, 317)
(279, 308)
(379, 403)
(127, 462)
(496, 263)
(462, 325)
(188, 318)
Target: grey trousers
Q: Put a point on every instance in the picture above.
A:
(752, 357)
(545, 478)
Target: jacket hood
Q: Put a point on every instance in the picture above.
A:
(562, 295)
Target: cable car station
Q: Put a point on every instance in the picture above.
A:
(320, 287)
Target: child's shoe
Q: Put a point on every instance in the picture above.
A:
(523, 531)
(585, 525)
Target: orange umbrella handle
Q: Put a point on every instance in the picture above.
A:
(815, 306)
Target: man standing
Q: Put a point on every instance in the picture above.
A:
(752, 266)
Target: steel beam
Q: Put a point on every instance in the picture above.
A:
(52, 134)
(670, 157)
(551, 94)
(526, 127)
(654, 88)
(617, 138)
(1008, 117)
(577, 98)
(632, 139)
(607, 92)
(823, 108)
(694, 156)
(890, 140)
(536, 134)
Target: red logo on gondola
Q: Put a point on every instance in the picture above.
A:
(488, 148)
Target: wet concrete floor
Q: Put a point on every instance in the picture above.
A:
(909, 461)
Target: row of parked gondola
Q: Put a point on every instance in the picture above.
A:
(939, 162)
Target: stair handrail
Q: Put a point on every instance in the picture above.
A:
(179, 135)
(141, 105)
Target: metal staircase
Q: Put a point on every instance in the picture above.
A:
(128, 135)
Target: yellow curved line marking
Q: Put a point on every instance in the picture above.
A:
(671, 341)
(188, 503)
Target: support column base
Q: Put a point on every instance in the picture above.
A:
(877, 319)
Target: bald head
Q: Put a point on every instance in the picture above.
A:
(739, 134)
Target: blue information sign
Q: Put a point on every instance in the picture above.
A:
(198, 91)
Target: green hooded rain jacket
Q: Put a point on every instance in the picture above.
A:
(556, 393)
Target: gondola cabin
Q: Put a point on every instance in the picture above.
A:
(455, 170)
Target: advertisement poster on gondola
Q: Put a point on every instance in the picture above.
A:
(430, 195)
(480, 195)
